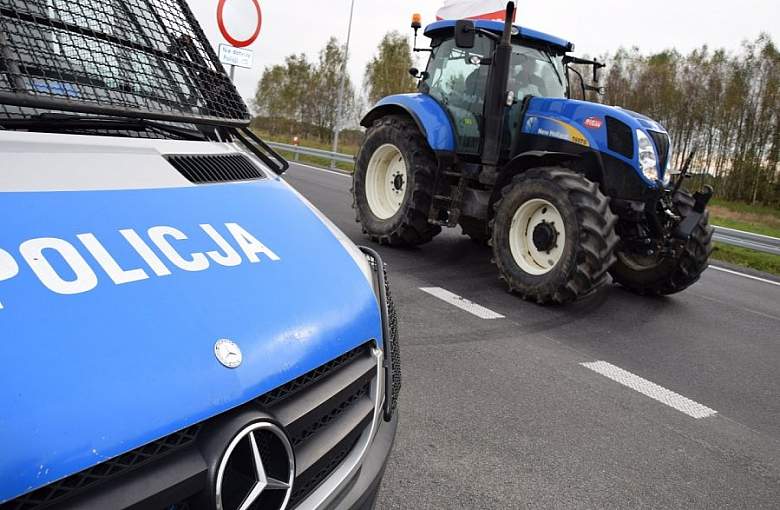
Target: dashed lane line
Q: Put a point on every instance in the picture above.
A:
(650, 389)
(462, 303)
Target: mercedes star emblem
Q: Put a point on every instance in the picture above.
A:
(228, 353)
(257, 470)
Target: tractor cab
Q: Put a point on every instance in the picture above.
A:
(457, 76)
(565, 192)
(458, 71)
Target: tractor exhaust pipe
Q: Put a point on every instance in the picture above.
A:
(506, 37)
(496, 97)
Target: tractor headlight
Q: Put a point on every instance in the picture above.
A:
(647, 157)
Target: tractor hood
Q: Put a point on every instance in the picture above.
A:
(112, 302)
(589, 124)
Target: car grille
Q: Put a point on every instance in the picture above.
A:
(325, 413)
(661, 141)
(324, 434)
(90, 478)
(211, 168)
(619, 137)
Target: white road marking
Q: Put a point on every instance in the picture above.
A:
(650, 389)
(463, 304)
(764, 280)
(343, 174)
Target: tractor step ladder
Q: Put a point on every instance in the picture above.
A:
(450, 203)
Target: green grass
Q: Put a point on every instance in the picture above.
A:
(752, 259)
(741, 207)
(751, 218)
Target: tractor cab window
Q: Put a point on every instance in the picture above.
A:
(536, 73)
(458, 81)
(532, 72)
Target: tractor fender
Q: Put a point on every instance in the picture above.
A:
(431, 118)
(532, 159)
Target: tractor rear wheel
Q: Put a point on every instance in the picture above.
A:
(553, 235)
(653, 275)
(393, 183)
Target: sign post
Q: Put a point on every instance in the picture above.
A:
(235, 54)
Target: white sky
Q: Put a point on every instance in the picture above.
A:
(295, 26)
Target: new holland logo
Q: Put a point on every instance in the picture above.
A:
(62, 268)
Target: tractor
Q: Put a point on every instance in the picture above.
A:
(566, 192)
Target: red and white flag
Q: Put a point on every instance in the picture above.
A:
(473, 9)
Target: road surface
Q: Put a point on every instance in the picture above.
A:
(515, 411)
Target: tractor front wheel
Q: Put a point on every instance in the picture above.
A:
(553, 235)
(393, 183)
(656, 275)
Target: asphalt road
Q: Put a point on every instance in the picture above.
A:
(502, 414)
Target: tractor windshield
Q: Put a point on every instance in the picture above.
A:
(457, 78)
(536, 72)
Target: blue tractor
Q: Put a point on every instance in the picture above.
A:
(565, 191)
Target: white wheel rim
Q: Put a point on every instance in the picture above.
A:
(386, 181)
(521, 237)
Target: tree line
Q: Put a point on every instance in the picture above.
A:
(724, 104)
(300, 96)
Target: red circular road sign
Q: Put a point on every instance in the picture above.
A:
(229, 38)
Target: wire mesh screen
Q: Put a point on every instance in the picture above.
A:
(134, 57)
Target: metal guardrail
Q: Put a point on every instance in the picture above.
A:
(748, 240)
(724, 235)
(297, 150)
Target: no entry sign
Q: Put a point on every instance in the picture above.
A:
(232, 33)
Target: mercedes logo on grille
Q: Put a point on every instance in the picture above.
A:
(256, 470)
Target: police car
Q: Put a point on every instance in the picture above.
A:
(180, 329)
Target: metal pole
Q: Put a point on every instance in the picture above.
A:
(340, 100)
(232, 73)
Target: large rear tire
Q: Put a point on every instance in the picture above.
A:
(553, 235)
(393, 183)
(663, 276)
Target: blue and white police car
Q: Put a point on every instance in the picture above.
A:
(180, 329)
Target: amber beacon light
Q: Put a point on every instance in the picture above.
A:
(416, 21)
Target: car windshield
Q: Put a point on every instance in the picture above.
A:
(136, 58)
(536, 72)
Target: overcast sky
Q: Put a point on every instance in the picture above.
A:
(295, 26)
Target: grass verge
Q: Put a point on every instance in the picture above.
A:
(751, 218)
(752, 259)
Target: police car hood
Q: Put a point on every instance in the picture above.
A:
(94, 367)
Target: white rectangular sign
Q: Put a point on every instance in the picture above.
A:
(232, 56)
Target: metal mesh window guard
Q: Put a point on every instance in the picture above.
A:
(139, 58)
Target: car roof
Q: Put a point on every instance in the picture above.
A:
(498, 27)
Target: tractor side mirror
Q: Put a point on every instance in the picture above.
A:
(420, 75)
(596, 68)
(465, 34)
